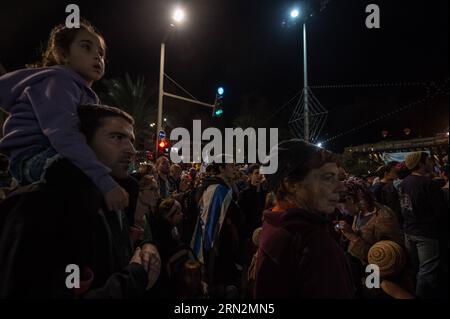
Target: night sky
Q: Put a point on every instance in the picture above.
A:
(243, 46)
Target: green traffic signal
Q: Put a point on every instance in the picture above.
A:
(218, 103)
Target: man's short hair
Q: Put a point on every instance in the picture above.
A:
(252, 168)
(383, 170)
(160, 158)
(92, 115)
(215, 168)
(220, 161)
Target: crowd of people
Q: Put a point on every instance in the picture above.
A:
(166, 230)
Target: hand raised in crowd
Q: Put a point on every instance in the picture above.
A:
(152, 263)
(346, 229)
(148, 257)
(117, 199)
(137, 259)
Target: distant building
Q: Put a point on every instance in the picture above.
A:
(385, 151)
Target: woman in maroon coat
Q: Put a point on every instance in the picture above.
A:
(297, 256)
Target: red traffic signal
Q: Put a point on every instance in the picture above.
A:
(163, 146)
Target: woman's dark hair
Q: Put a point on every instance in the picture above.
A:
(91, 117)
(357, 190)
(59, 42)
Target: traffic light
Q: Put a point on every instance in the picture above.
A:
(218, 104)
(163, 146)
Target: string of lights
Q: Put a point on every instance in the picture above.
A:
(283, 106)
(368, 85)
(432, 90)
(428, 97)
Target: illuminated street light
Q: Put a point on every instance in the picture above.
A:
(295, 13)
(178, 15)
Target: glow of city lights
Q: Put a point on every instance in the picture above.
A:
(295, 13)
(178, 15)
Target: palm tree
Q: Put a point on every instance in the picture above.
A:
(133, 96)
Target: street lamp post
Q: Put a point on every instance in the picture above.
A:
(161, 93)
(305, 84)
(309, 115)
(178, 17)
(295, 13)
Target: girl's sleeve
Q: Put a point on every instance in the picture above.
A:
(55, 101)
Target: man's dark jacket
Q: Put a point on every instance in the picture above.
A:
(45, 228)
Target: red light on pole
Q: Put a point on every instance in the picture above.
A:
(162, 146)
